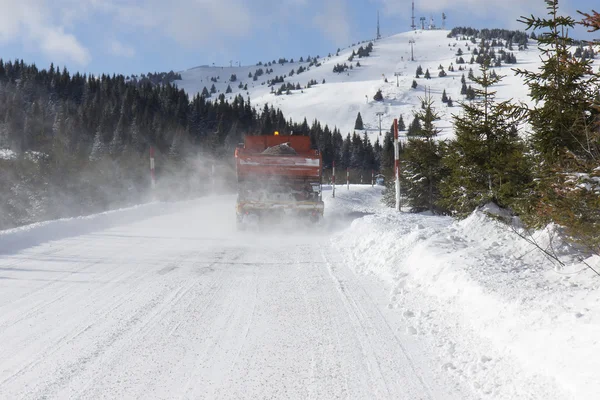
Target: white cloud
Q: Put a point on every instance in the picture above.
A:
(192, 24)
(50, 25)
(121, 50)
(31, 22)
(62, 46)
(196, 23)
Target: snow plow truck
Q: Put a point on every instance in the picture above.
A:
(278, 175)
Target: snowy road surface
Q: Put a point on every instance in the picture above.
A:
(179, 305)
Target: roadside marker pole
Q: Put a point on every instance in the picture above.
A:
(212, 178)
(152, 174)
(397, 164)
(372, 178)
(333, 180)
(348, 177)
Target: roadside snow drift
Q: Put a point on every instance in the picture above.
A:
(495, 309)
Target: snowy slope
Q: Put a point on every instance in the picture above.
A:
(338, 101)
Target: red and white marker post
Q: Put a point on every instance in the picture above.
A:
(152, 174)
(333, 180)
(397, 163)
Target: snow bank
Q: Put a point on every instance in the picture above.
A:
(497, 312)
(7, 154)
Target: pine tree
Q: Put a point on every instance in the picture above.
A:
(444, 97)
(98, 146)
(422, 165)
(228, 90)
(561, 85)
(369, 154)
(358, 125)
(414, 84)
(414, 129)
(591, 21)
(470, 94)
(337, 144)
(401, 125)
(427, 75)
(357, 157)
(346, 152)
(378, 96)
(378, 153)
(388, 156)
(486, 161)
(566, 144)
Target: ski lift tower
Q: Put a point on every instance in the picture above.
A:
(413, 26)
(379, 114)
(423, 19)
(412, 53)
(444, 16)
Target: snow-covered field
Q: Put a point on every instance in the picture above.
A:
(338, 101)
(169, 301)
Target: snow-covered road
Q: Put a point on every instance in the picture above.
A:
(179, 305)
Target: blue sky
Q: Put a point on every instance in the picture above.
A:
(135, 36)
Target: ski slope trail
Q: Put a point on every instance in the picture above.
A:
(180, 305)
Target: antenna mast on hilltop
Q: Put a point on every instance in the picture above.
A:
(444, 20)
(378, 31)
(423, 19)
(413, 26)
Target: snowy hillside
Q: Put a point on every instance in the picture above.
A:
(337, 102)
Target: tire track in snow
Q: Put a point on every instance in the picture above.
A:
(66, 372)
(366, 324)
(65, 339)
